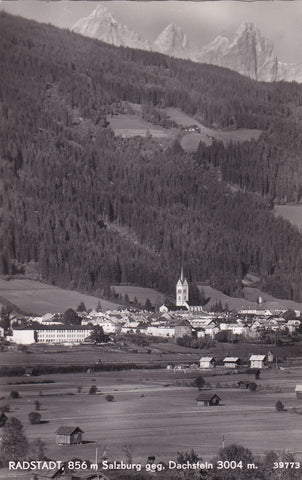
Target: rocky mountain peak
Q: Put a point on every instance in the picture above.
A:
(248, 53)
(102, 25)
(174, 42)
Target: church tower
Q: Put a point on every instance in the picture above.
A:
(182, 290)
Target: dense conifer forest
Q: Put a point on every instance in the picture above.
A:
(89, 209)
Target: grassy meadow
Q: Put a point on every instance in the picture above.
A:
(36, 297)
(292, 213)
(156, 413)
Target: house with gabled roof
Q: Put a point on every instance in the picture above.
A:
(68, 435)
(258, 361)
(231, 362)
(208, 399)
(298, 391)
(207, 362)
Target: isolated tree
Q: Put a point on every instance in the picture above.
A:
(37, 449)
(5, 321)
(195, 297)
(109, 398)
(14, 394)
(128, 450)
(236, 452)
(34, 418)
(93, 389)
(242, 456)
(99, 307)
(5, 408)
(253, 386)
(191, 457)
(148, 305)
(70, 317)
(98, 334)
(81, 307)
(279, 406)
(14, 444)
(223, 336)
(199, 382)
(289, 315)
(37, 405)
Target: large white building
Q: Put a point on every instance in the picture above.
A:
(50, 334)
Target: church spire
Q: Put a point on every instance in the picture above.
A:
(182, 274)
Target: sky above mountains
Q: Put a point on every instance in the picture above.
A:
(281, 21)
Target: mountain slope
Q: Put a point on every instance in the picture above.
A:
(67, 180)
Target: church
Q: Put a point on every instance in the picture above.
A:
(182, 297)
(182, 291)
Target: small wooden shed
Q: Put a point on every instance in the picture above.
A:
(231, 362)
(298, 391)
(258, 361)
(208, 399)
(69, 435)
(207, 362)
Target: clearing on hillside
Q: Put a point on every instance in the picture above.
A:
(126, 126)
(292, 213)
(37, 297)
(190, 141)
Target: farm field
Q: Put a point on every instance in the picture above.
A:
(158, 416)
(161, 353)
(130, 125)
(39, 298)
(292, 213)
(190, 141)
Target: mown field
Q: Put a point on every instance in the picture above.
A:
(156, 414)
(152, 354)
(128, 125)
(190, 141)
(292, 213)
(39, 298)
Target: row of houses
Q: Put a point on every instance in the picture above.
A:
(255, 361)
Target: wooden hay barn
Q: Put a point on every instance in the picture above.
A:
(258, 361)
(231, 362)
(207, 362)
(298, 391)
(69, 435)
(208, 399)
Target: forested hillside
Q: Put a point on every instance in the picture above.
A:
(91, 209)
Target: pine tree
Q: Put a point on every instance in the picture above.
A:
(14, 444)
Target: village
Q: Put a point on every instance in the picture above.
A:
(182, 323)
